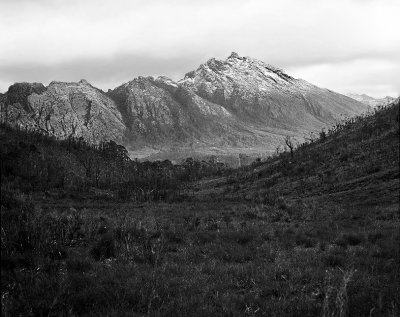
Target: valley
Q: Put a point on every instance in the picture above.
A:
(87, 231)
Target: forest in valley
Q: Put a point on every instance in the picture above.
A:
(33, 162)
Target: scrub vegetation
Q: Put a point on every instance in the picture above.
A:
(312, 231)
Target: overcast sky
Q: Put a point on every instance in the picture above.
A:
(343, 45)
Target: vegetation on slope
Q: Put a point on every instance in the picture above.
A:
(356, 162)
(300, 252)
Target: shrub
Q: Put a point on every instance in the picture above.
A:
(375, 236)
(204, 237)
(335, 257)
(175, 236)
(302, 239)
(104, 248)
(78, 265)
(349, 239)
(240, 237)
(234, 253)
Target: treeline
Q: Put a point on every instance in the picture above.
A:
(33, 161)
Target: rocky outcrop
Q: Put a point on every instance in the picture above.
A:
(19, 93)
(64, 110)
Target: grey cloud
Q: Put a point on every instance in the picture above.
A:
(104, 72)
(58, 40)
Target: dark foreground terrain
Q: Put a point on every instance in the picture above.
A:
(312, 233)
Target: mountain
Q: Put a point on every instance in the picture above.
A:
(370, 101)
(225, 107)
(260, 94)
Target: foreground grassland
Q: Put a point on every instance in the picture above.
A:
(85, 231)
(97, 257)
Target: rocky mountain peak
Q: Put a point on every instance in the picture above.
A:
(234, 55)
(166, 80)
(224, 81)
(84, 82)
(166, 83)
(242, 71)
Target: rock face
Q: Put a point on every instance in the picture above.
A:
(64, 110)
(238, 105)
(148, 110)
(162, 112)
(370, 101)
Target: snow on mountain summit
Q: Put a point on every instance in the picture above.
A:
(241, 72)
(260, 93)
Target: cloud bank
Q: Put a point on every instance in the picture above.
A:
(346, 46)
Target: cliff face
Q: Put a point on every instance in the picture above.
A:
(64, 110)
(236, 105)
(149, 112)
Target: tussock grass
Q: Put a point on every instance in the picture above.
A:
(208, 259)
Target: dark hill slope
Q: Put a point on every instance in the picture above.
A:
(354, 163)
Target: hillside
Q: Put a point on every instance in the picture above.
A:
(354, 163)
(224, 108)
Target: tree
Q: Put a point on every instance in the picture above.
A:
(322, 135)
(290, 145)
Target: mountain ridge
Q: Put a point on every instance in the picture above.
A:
(370, 101)
(235, 105)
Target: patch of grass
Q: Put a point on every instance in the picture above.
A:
(122, 260)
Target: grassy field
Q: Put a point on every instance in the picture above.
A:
(62, 257)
